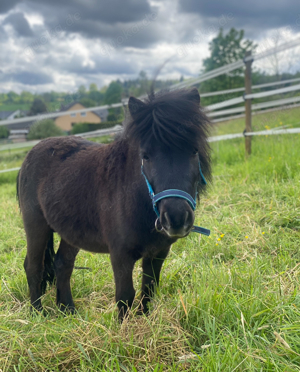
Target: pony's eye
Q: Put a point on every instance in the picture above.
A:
(195, 152)
(145, 157)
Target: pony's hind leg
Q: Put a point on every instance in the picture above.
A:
(64, 264)
(38, 235)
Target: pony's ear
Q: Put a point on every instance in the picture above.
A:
(135, 106)
(193, 95)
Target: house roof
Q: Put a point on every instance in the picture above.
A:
(102, 113)
(5, 114)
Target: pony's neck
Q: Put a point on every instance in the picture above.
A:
(124, 156)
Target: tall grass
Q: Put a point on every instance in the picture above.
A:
(230, 302)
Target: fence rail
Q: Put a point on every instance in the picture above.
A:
(275, 131)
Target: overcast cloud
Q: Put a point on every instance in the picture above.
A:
(61, 44)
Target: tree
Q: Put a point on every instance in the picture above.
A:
(87, 102)
(38, 107)
(143, 83)
(113, 93)
(225, 49)
(82, 91)
(26, 97)
(12, 97)
(44, 129)
(4, 132)
(93, 87)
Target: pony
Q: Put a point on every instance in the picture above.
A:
(96, 197)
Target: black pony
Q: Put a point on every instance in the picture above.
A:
(96, 198)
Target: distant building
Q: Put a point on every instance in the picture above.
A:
(66, 122)
(17, 135)
(9, 115)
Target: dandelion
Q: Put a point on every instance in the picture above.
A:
(267, 127)
(263, 233)
(222, 235)
(219, 239)
(217, 244)
(246, 236)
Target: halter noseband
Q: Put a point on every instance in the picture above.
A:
(174, 193)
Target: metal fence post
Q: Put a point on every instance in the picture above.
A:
(248, 84)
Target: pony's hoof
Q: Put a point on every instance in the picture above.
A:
(38, 310)
(67, 309)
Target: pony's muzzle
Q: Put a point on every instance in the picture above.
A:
(176, 217)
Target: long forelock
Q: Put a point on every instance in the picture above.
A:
(173, 120)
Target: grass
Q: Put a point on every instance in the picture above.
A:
(14, 106)
(268, 120)
(230, 302)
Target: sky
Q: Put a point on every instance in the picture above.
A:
(61, 44)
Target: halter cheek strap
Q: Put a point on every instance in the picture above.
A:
(174, 193)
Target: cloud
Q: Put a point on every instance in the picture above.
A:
(19, 24)
(254, 17)
(6, 5)
(62, 44)
(26, 77)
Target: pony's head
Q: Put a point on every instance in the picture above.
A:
(171, 130)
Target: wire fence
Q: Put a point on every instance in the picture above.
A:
(275, 131)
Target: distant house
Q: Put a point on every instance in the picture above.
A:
(66, 122)
(9, 115)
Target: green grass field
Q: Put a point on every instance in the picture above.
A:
(14, 106)
(230, 302)
(289, 118)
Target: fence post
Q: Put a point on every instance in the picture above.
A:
(248, 84)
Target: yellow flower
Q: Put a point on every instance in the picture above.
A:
(217, 244)
(246, 236)
(219, 239)
(222, 235)
(263, 233)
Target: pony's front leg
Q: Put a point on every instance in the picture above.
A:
(64, 264)
(123, 264)
(151, 272)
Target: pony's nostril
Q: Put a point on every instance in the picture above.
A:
(186, 218)
(167, 220)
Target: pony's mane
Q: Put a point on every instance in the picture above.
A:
(171, 119)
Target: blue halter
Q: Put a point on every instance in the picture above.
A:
(174, 193)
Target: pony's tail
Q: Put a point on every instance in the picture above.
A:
(49, 273)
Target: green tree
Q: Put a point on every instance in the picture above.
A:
(93, 87)
(113, 93)
(26, 97)
(38, 107)
(12, 97)
(82, 91)
(4, 132)
(95, 95)
(87, 102)
(44, 129)
(144, 84)
(225, 49)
